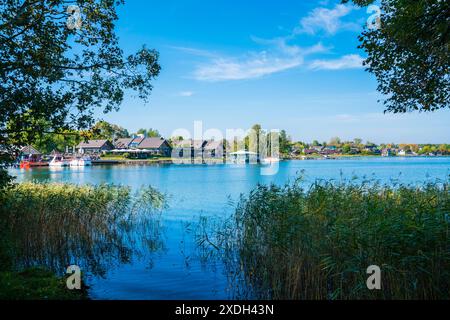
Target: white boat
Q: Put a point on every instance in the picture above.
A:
(270, 160)
(58, 161)
(81, 162)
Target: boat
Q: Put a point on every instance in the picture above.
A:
(58, 162)
(244, 157)
(81, 162)
(30, 158)
(27, 164)
(270, 160)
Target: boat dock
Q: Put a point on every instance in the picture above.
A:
(104, 162)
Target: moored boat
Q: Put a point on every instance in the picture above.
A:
(81, 162)
(270, 160)
(26, 164)
(58, 161)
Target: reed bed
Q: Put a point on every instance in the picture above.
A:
(56, 225)
(317, 243)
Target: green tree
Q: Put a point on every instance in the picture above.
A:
(444, 148)
(53, 77)
(108, 131)
(336, 141)
(357, 141)
(285, 143)
(49, 142)
(409, 53)
(153, 133)
(142, 131)
(257, 131)
(346, 148)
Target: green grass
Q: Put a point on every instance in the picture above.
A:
(121, 158)
(317, 243)
(36, 284)
(57, 225)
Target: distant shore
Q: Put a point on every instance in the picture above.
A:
(167, 160)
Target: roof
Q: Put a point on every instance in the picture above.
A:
(151, 143)
(92, 144)
(123, 143)
(29, 150)
(196, 144)
(138, 140)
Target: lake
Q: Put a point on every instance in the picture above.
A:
(177, 270)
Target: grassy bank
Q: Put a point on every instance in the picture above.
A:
(317, 243)
(52, 226)
(36, 284)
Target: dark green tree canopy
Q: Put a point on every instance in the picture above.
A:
(409, 54)
(54, 75)
(108, 131)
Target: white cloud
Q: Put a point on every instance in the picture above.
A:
(282, 56)
(328, 20)
(186, 93)
(280, 53)
(281, 44)
(252, 66)
(351, 61)
(195, 52)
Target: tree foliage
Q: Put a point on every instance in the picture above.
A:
(108, 131)
(150, 133)
(409, 54)
(53, 77)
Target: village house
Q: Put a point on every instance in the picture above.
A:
(123, 143)
(296, 151)
(94, 147)
(155, 146)
(136, 142)
(318, 148)
(142, 148)
(214, 149)
(30, 153)
(310, 151)
(329, 152)
(386, 153)
(189, 148)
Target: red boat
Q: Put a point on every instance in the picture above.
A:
(27, 164)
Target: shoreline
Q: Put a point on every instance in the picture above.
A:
(216, 161)
(169, 161)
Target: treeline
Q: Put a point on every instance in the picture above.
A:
(108, 131)
(102, 130)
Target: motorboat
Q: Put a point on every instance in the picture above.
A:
(81, 162)
(270, 160)
(58, 162)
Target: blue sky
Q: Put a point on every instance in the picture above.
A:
(290, 65)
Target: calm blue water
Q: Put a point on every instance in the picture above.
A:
(176, 271)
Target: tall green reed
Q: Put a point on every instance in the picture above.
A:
(317, 243)
(56, 225)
